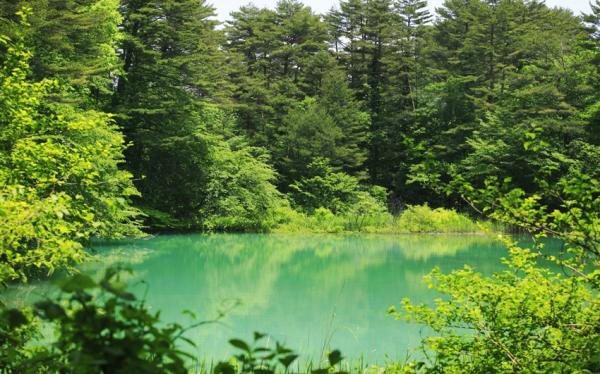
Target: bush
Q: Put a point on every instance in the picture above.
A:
(336, 192)
(321, 221)
(370, 216)
(526, 319)
(423, 219)
(100, 328)
(60, 175)
(541, 314)
(240, 194)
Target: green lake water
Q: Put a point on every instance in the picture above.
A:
(312, 292)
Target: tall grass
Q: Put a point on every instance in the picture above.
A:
(310, 367)
(414, 219)
(423, 219)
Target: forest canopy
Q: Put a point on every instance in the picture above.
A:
(119, 117)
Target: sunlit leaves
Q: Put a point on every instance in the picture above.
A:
(59, 172)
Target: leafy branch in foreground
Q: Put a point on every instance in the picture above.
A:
(574, 218)
(526, 318)
(530, 317)
(99, 327)
(60, 176)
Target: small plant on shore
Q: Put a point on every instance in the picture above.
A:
(257, 357)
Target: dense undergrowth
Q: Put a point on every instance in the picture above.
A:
(414, 219)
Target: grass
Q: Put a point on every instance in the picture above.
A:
(423, 219)
(309, 367)
(414, 219)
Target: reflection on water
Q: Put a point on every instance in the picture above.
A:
(309, 291)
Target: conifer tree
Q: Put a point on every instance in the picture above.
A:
(75, 42)
(168, 54)
(330, 127)
(282, 57)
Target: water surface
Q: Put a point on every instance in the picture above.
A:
(313, 292)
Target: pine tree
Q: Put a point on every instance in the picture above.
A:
(74, 41)
(282, 57)
(593, 20)
(330, 126)
(169, 68)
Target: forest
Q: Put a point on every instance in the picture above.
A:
(123, 118)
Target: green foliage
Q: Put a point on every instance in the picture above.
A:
(260, 358)
(16, 329)
(234, 188)
(74, 42)
(280, 57)
(255, 358)
(424, 219)
(170, 60)
(367, 216)
(530, 317)
(100, 327)
(575, 220)
(526, 318)
(337, 192)
(59, 172)
(495, 103)
(495, 82)
(240, 194)
(329, 126)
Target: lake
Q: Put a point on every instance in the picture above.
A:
(312, 292)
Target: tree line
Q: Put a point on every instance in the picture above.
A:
(117, 116)
(117, 113)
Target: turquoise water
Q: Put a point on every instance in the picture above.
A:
(312, 292)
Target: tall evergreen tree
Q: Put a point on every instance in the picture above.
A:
(592, 112)
(382, 45)
(168, 54)
(330, 127)
(406, 72)
(73, 41)
(282, 56)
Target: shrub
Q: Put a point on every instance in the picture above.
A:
(527, 319)
(424, 219)
(530, 318)
(240, 194)
(336, 192)
(100, 328)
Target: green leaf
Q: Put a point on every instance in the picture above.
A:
(240, 344)
(335, 357)
(77, 282)
(287, 360)
(281, 349)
